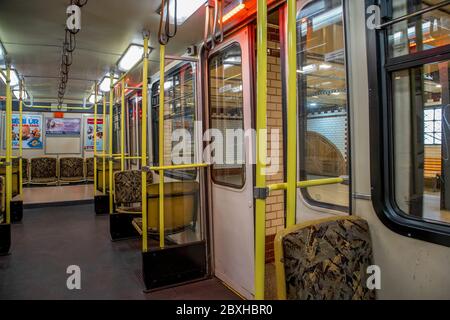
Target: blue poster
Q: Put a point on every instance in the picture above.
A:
(31, 131)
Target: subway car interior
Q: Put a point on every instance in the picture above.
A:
(298, 150)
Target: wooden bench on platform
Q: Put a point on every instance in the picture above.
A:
(432, 171)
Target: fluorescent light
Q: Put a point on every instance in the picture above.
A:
(92, 98)
(105, 84)
(308, 69)
(233, 11)
(185, 10)
(335, 93)
(131, 57)
(438, 86)
(325, 66)
(14, 77)
(313, 104)
(16, 93)
(168, 85)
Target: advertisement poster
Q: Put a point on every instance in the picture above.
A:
(31, 132)
(63, 126)
(89, 134)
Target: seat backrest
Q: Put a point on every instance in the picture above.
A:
(324, 260)
(127, 186)
(44, 167)
(180, 206)
(89, 167)
(71, 167)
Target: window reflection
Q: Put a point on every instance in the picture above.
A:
(226, 112)
(179, 113)
(421, 33)
(421, 141)
(323, 100)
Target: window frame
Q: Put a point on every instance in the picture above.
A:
(381, 68)
(302, 130)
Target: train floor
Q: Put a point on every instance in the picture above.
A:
(41, 195)
(51, 239)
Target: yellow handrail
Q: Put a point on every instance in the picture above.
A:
(104, 144)
(144, 142)
(114, 155)
(110, 160)
(162, 51)
(95, 136)
(122, 126)
(261, 148)
(67, 108)
(20, 138)
(179, 166)
(128, 158)
(306, 184)
(291, 163)
(8, 118)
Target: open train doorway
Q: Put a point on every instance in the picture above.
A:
(231, 183)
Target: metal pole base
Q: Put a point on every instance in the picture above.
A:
(5, 239)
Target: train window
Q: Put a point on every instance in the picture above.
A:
(409, 64)
(420, 102)
(226, 111)
(323, 104)
(179, 113)
(421, 33)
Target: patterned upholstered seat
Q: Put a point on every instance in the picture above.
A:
(25, 175)
(180, 207)
(14, 175)
(127, 191)
(116, 168)
(71, 169)
(43, 170)
(324, 260)
(89, 169)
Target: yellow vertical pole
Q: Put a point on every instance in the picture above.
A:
(111, 122)
(144, 144)
(95, 136)
(291, 193)
(104, 145)
(261, 149)
(8, 131)
(122, 126)
(21, 87)
(162, 53)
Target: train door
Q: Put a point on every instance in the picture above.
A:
(231, 182)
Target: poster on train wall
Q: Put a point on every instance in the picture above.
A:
(63, 126)
(89, 134)
(31, 132)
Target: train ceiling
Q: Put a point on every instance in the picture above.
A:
(32, 33)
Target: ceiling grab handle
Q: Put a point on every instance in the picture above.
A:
(165, 35)
(218, 21)
(216, 28)
(208, 7)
